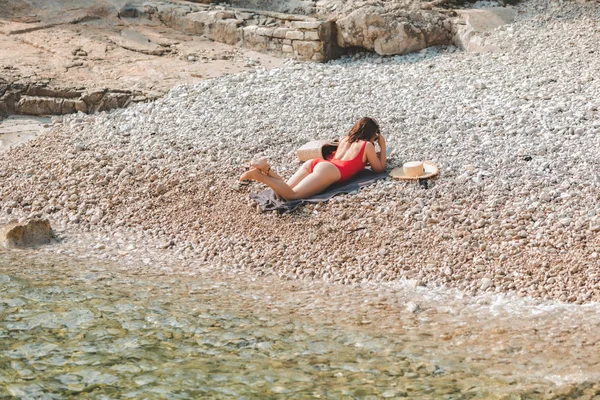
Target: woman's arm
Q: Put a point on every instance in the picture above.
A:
(377, 161)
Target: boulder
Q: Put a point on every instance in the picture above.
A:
(34, 232)
(471, 26)
(391, 32)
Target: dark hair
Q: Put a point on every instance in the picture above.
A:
(365, 129)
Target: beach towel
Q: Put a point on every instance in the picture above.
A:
(269, 201)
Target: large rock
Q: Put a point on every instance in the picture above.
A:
(471, 26)
(391, 32)
(34, 232)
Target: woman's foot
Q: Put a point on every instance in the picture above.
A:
(250, 175)
(261, 164)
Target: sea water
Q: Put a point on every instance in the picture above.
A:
(69, 328)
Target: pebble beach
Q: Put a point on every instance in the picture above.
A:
(516, 135)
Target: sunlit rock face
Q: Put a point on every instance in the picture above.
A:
(390, 33)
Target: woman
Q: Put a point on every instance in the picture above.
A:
(353, 153)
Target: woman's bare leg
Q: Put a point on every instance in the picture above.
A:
(260, 163)
(263, 165)
(302, 173)
(278, 186)
(322, 177)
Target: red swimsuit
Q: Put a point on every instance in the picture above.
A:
(347, 168)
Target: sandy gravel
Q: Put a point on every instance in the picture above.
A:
(515, 133)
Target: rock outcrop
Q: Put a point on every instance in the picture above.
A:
(387, 29)
(34, 232)
(391, 33)
(42, 99)
(284, 35)
(470, 28)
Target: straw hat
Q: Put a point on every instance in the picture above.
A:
(414, 170)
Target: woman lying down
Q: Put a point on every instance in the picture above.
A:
(355, 151)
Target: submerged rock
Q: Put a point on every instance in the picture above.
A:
(34, 232)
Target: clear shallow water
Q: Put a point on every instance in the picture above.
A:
(70, 329)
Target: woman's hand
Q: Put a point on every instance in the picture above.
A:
(382, 142)
(378, 161)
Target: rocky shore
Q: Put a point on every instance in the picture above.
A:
(61, 57)
(515, 133)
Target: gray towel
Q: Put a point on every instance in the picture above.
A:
(269, 201)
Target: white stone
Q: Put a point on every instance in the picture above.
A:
(280, 32)
(311, 35)
(485, 284)
(264, 31)
(294, 35)
(306, 24)
(412, 307)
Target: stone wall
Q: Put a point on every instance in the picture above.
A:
(283, 35)
(302, 40)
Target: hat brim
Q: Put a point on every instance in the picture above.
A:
(429, 171)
